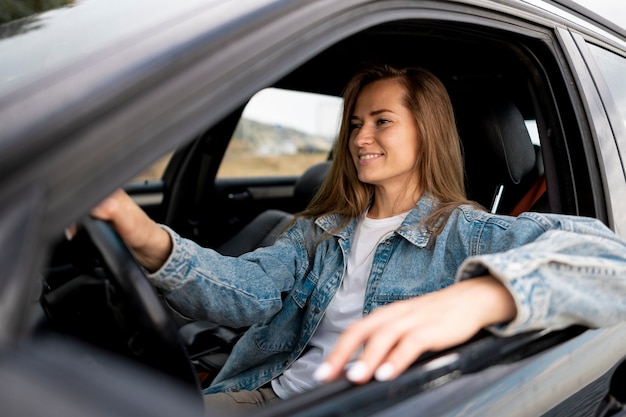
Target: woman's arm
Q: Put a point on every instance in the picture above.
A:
(575, 273)
(397, 334)
(199, 282)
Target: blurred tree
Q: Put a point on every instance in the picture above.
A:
(17, 9)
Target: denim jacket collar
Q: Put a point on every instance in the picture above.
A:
(411, 228)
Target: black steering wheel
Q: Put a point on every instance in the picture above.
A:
(135, 322)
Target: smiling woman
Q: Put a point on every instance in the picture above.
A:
(384, 143)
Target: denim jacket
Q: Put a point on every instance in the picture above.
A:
(560, 270)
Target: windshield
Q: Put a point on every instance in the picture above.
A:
(42, 41)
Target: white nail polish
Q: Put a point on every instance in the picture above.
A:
(357, 371)
(384, 372)
(322, 372)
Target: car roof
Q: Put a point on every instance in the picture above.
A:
(44, 42)
(605, 13)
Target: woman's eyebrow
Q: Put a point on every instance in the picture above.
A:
(373, 113)
(377, 112)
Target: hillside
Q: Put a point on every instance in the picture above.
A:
(262, 139)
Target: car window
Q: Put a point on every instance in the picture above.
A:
(155, 171)
(613, 68)
(531, 125)
(282, 133)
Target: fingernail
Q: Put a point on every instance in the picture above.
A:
(357, 371)
(322, 372)
(68, 233)
(384, 372)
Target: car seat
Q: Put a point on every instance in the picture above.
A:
(268, 225)
(501, 162)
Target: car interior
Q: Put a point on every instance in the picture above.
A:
(497, 87)
(522, 144)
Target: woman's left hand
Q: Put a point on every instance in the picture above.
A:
(394, 336)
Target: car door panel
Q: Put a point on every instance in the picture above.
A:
(149, 195)
(237, 201)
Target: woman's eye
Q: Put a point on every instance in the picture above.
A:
(355, 125)
(382, 122)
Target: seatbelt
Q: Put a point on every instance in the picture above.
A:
(533, 194)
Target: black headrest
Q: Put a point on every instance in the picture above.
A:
(309, 183)
(496, 144)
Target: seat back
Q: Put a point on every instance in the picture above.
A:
(501, 162)
(309, 184)
(265, 228)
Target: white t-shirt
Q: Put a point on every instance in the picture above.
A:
(345, 307)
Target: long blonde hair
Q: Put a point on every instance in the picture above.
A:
(439, 164)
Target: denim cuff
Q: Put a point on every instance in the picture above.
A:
(530, 296)
(170, 276)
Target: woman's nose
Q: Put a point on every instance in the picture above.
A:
(363, 136)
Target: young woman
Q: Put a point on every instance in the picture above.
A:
(390, 236)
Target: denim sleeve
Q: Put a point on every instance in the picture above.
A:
(202, 284)
(574, 272)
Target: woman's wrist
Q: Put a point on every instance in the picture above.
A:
(157, 248)
(497, 304)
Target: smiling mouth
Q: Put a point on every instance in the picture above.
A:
(369, 156)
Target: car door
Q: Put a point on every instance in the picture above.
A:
(604, 61)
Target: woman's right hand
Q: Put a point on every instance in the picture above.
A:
(149, 242)
(392, 337)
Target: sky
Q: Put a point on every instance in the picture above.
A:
(315, 114)
(614, 10)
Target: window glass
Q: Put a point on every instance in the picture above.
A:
(282, 133)
(613, 68)
(533, 131)
(154, 171)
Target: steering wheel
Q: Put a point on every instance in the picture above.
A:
(141, 325)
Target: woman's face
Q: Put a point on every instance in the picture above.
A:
(384, 137)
